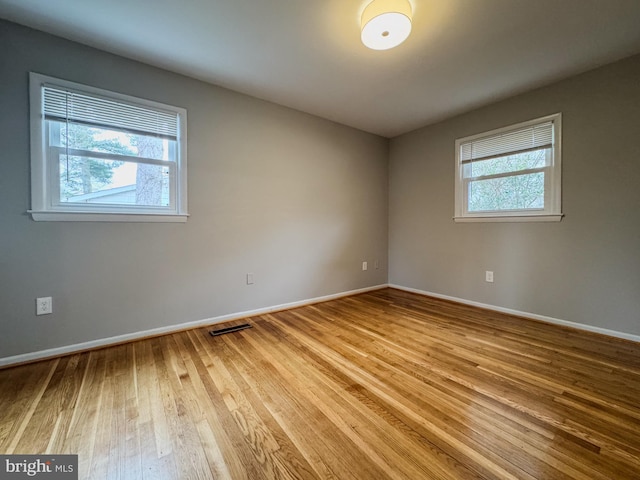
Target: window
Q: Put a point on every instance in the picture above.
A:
(102, 156)
(510, 174)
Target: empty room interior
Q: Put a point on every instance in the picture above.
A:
(346, 239)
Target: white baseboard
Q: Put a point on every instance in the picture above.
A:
(533, 316)
(119, 339)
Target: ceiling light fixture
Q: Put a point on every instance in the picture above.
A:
(386, 23)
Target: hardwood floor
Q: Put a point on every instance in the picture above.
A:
(383, 385)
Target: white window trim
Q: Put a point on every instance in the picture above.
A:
(43, 207)
(552, 211)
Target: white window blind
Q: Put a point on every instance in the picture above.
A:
(528, 139)
(69, 106)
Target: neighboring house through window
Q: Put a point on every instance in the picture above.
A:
(510, 174)
(103, 156)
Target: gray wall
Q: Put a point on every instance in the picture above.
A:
(301, 202)
(585, 269)
(296, 200)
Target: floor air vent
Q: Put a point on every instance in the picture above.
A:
(222, 331)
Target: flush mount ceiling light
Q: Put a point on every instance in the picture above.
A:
(386, 23)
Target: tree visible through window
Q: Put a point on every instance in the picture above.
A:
(514, 192)
(87, 179)
(82, 175)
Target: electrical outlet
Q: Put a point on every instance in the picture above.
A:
(44, 306)
(376, 264)
(488, 276)
(364, 265)
(249, 278)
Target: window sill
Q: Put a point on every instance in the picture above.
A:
(511, 218)
(49, 216)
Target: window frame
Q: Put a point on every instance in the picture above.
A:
(45, 182)
(552, 211)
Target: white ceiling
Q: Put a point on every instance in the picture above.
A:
(306, 54)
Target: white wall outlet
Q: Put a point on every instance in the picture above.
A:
(364, 265)
(488, 276)
(44, 306)
(249, 278)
